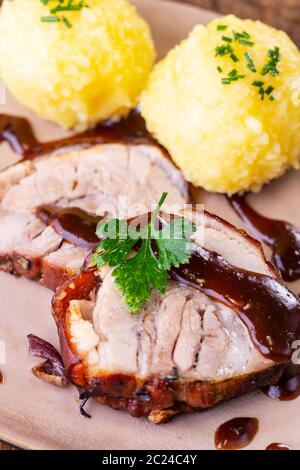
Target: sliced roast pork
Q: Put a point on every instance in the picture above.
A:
(187, 349)
(99, 180)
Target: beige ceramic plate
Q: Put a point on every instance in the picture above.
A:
(36, 415)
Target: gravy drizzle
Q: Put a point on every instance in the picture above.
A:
(278, 446)
(236, 433)
(282, 237)
(18, 133)
(73, 224)
(252, 296)
(288, 387)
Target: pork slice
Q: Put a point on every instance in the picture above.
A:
(13, 175)
(198, 337)
(103, 173)
(235, 246)
(27, 256)
(49, 240)
(117, 179)
(16, 229)
(116, 330)
(51, 181)
(61, 264)
(183, 351)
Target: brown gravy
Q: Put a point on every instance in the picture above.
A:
(288, 387)
(252, 296)
(277, 446)
(236, 433)
(18, 133)
(282, 237)
(75, 225)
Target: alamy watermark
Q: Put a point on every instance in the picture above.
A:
(137, 216)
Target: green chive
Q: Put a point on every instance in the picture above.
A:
(250, 64)
(67, 22)
(226, 81)
(246, 35)
(269, 90)
(222, 27)
(246, 43)
(257, 83)
(50, 19)
(226, 39)
(234, 57)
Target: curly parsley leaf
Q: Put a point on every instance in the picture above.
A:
(173, 243)
(138, 275)
(156, 252)
(118, 240)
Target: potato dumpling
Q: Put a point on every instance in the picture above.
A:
(91, 66)
(226, 105)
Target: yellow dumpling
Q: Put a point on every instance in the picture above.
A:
(204, 103)
(88, 67)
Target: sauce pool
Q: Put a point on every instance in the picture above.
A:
(236, 433)
(277, 446)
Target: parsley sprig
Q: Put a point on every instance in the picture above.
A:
(62, 6)
(142, 258)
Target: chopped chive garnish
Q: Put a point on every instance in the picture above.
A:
(67, 22)
(250, 63)
(262, 91)
(274, 58)
(246, 35)
(269, 90)
(227, 39)
(257, 83)
(244, 39)
(223, 50)
(50, 19)
(233, 76)
(234, 57)
(246, 43)
(226, 81)
(70, 5)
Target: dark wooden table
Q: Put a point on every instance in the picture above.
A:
(284, 14)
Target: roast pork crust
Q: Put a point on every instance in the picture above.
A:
(183, 376)
(161, 400)
(88, 178)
